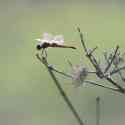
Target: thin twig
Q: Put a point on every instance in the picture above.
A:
(114, 71)
(69, 62)
(91, 82)
(99, 72)
(91, 57)
(60, 72)
(106, 57)
(92, 51)
(119, 72)
(98, 113)
(62, 92)
(106, 87)
(92, 72)
(83, 43)
(113, 57)
(121, 89)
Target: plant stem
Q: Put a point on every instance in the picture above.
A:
(61, 91)
(114, 56)
(98, 111)
(106, 87)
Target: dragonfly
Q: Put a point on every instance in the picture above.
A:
(49, 40)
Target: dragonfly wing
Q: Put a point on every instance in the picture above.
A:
(47, 36)
(40, 41)
(58, 39)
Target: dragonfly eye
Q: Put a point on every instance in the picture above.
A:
(38, 47)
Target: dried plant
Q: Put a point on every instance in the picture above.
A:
(106, 74)
(113, 64)
(59, 87)
(98, 110)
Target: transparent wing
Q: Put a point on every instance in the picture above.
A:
(47, 36)
(58, 39)
(51, 39)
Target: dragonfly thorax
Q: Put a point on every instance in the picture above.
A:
(42, 46)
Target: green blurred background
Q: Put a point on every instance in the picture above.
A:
(28, 95)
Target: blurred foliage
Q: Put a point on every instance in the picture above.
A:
(27, 93)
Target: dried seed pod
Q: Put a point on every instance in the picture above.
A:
(79, 75)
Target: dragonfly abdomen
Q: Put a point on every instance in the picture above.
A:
(61, 46)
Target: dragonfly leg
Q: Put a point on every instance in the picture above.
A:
(42, 52)
(45, 53)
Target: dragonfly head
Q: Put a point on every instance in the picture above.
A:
(38, 47)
